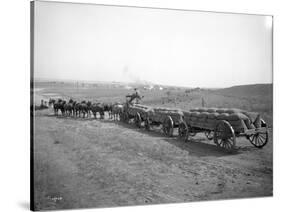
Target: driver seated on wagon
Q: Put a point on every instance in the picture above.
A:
(134, 97)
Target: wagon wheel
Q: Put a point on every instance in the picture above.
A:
(224, 136)
(168, 126)
(259, 139)
(183, 130)
(209, 135)
(137, 120)
(147, 124)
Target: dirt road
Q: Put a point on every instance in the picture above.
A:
(102, 163)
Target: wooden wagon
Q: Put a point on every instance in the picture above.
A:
(224, 126)
(137, 112)
(153, 116)
(167, 117)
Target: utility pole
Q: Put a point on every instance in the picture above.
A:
(203, 102)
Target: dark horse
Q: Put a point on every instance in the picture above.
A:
(97, 108)
(69, 107)
(76, 109)
(117, 110)
(56, 106)
(59, 105)
(83, 108)
(108, 108)
(51, 102)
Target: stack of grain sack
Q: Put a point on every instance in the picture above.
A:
(160, 113)
(138, 108)
(208, 118)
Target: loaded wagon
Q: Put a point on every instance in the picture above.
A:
(224, 125)
(167, 117)
(153, 116)
(137, 112)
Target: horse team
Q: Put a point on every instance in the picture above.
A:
(85, 109)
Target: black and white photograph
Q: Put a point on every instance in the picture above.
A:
(138, 105)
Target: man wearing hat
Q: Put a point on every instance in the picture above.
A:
(135, 95)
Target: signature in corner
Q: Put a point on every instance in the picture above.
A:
(54, 198)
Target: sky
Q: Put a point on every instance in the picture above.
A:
(170, 47)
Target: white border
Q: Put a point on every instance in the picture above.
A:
(14, 104)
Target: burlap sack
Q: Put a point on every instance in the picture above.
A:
(187, 113)
(212, 110)
(194, 114)
(194, 118)
(203, 115)
(237, 116)
(213, 115)
(202, 109)
(221, 110)
(222, 116)
(194, 110)
(233, 110)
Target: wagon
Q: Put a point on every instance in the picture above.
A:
(169, 118)
(224, 125)
(137, 112)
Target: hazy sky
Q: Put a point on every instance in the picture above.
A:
(185, 48)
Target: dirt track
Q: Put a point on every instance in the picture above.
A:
(102, 163)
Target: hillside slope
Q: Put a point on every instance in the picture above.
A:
(248, 90)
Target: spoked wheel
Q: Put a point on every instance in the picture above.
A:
(147, 124)
(137, 120)
(224, 136)
(183, 130)
(259, 139)
(209, 135)
(168, 126)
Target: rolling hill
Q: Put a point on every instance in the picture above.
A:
(248, 90)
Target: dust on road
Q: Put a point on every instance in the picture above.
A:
(103, 163)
